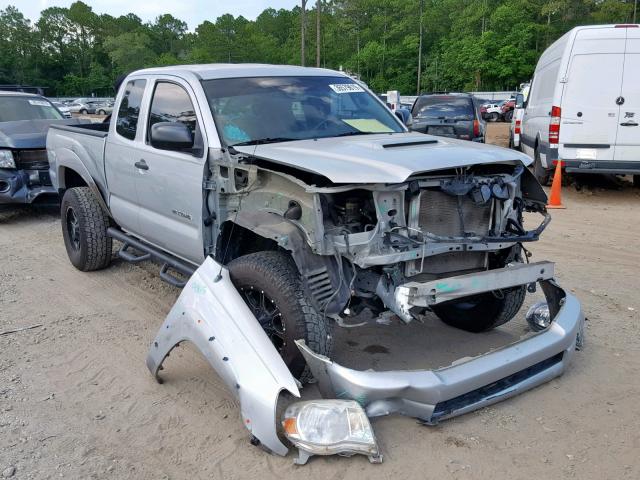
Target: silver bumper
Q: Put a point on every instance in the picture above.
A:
(433, 395)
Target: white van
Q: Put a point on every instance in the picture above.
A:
(584, 103)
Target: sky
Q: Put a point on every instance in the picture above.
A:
(194, 12)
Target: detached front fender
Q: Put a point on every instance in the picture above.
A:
(211, 314)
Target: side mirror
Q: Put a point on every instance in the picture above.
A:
(404, 115)
(519, 100)
(171, 136)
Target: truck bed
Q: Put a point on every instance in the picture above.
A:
(81, 146)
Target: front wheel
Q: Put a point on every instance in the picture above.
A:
(84, 112)
(102, 112)
(482, 312)
(270, 285)
(84, 229)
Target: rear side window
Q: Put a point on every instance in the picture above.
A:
(443, 106)
(129, 111)
(171, 103)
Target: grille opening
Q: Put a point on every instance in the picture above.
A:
(31, 160)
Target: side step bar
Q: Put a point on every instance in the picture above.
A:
(151, 253)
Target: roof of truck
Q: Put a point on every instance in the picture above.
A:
(238, 70)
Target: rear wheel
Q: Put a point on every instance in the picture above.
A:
(482, 312)
(493, 117)
(84, 111)
(102, 112)
(270, 285)
(84, 229)
(543, 175)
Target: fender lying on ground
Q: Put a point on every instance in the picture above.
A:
(211, 314)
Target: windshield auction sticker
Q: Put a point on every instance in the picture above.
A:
(346, 88)
(368, 125)
(39, 103)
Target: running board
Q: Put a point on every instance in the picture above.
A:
(154, 254)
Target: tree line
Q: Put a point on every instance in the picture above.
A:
(465, 44)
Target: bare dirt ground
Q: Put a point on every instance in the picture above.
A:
(76, 399)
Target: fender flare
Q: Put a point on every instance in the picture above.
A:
(67, 159)
(211, 314)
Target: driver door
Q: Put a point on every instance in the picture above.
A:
(169, 184)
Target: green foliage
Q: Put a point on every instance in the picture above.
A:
(467, 44)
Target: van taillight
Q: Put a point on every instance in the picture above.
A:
(516, 130)
(476, 128)
(554, 126)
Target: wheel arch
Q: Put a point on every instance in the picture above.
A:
(322, 275)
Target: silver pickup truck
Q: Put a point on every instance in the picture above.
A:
(289, 201)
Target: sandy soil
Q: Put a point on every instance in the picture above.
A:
(77, 401)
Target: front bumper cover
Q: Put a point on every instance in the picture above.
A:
(434, 395)
(16, 188)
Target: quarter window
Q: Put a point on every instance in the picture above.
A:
(129, 111)
(171, 103)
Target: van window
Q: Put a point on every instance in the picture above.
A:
(129, 110)
(171, 103)
(544, 84)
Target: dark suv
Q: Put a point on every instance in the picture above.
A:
(448, 115)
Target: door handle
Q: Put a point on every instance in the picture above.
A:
(629, 124)
(142, 165)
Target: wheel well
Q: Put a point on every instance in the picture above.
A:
(73, 179)
(235, 241)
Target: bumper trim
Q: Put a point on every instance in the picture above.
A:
(434, 395)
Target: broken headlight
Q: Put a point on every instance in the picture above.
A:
(328, 427)
(6, 159)
(538, 316)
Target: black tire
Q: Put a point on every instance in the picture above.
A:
(102, 112)
(636, 181)
(483, 312)
(274, 277)
(84, 228)
(84, 111)
(508, 116)
(493, 117)
(543, 175)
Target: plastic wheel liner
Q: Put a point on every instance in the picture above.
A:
(211, 314)
(433, 395)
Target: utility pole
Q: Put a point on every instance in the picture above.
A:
(635, 8)
(302, 31)
(318, 7)
(420, 50)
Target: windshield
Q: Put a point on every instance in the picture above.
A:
(444, 106)
(263, 109)
(27, 108)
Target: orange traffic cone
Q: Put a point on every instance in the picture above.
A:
(556, 188)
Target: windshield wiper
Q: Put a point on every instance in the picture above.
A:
(348, 134)
(262, 141)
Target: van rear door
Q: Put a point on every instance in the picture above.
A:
(592, 84)
(628, 139)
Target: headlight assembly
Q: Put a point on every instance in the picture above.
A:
(6, 159)
(328, 427)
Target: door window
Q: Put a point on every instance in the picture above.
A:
(171, 103)
(129, 111)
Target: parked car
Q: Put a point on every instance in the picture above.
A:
(64, 109)
(101, 107)
(584, 104)
(491, 112)
(294, 199)
(82, 108)
(515, 129)
(506, 109)
(24, 167)
(450, 115)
